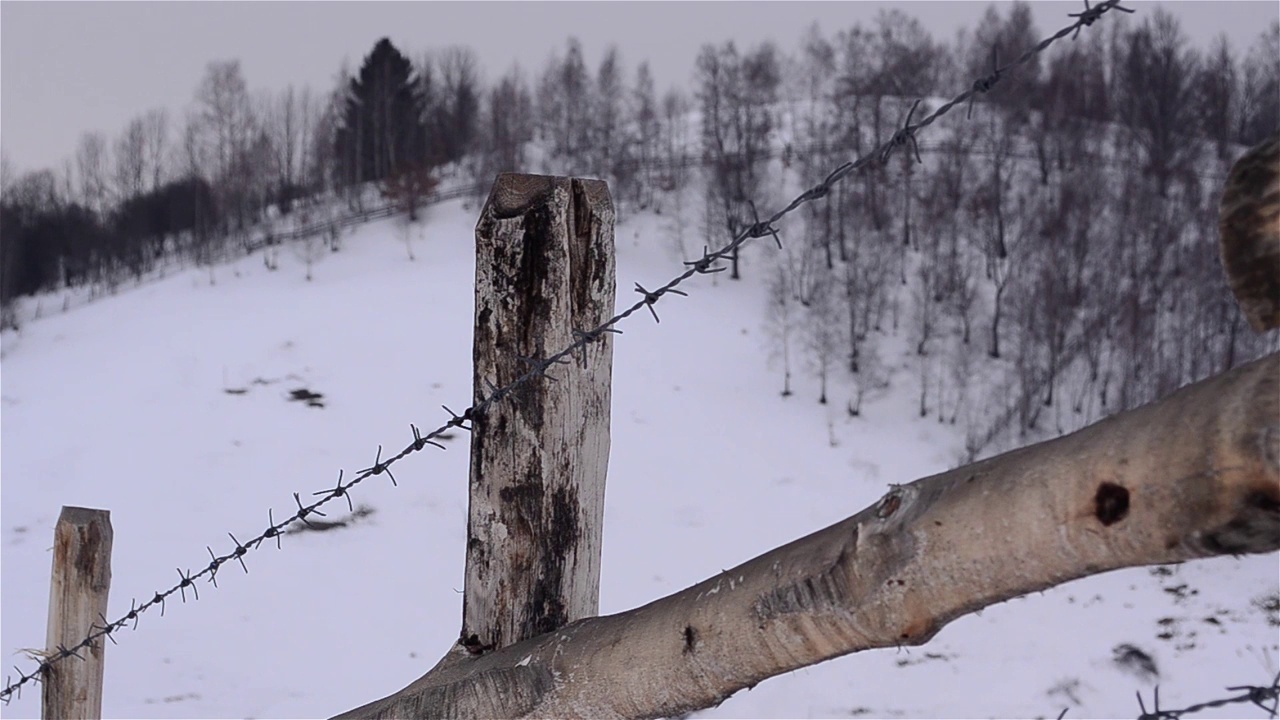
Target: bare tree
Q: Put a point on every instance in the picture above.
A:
(815, 125)
(1156, 99)
(779, 318)
(156, 126)
(1215, 97)
(507, 126)
(458, 109)
(131, 160)
(998, 217)
(226, 128)
(606, 119)
(282, 118)
(822, 325)
(675, 142)
(1260, 91)
(7, 174)
(647, 119)
(867, 273)
(563, 92)
(91, 171)
(736, 94)
(998, 40)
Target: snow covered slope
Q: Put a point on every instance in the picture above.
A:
(170, 406)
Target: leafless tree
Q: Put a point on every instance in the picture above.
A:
(779, 319)
(227, 130)
(674, 140)
(92, 161)
(508, 126)
(1216, 84)
(131, 160)
(647, 119)
(287, 119)
(156, 126)
(999, 40)
(1156, 99)
(608, 149)
(814, 128)
(7, 174)
(1260, 89)
(564, 93)
(736, 94)
(457, 110)
(822, 325)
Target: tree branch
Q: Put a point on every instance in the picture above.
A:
(1196, 474)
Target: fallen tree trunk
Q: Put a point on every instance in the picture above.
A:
(1196, 474)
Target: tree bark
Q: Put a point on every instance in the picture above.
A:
(1194, 475)
(544, 268)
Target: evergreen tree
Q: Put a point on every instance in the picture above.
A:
(382, 132)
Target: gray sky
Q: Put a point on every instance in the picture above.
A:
(69, 67)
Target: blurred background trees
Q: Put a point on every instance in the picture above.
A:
(1059, 243)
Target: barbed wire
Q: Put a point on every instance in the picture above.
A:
(538, 368)
(1258, 696)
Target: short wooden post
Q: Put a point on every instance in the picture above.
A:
(77, 601)
(544, 268)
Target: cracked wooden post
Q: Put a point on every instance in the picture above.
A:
(77, 601)
(544, 268)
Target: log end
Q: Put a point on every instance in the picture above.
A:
(514, 194)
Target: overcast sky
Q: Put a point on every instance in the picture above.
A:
(69, 67)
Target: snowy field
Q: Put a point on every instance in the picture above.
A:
(124, 404)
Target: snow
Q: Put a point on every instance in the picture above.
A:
(121, 404)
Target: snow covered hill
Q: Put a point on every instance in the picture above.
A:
(170, 405)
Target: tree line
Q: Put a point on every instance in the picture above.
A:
(1066, 228)
(1065, 232)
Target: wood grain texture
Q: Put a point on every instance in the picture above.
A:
(78, 594)
(544, 267)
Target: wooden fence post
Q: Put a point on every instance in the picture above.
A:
(77, 601)
(544, 268)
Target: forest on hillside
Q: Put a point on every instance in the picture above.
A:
(1063, 226)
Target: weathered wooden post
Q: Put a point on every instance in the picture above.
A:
(544, 268)
(77, 601)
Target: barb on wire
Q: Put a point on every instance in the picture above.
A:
(70, 652)
(132, 615)
(1086, 18)
(185, 583)
(583, 337)
(906, 134)
(456, 420)
(303, 512)
(984, 84)
(339, 491)
(241, 549)
(1253, 694)
(419, 442)
(651, 297)
(272, 531)
(378, 467)
(106, 629)
(759, 228)
(706, 265)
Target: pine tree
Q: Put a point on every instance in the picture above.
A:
(382, 132)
